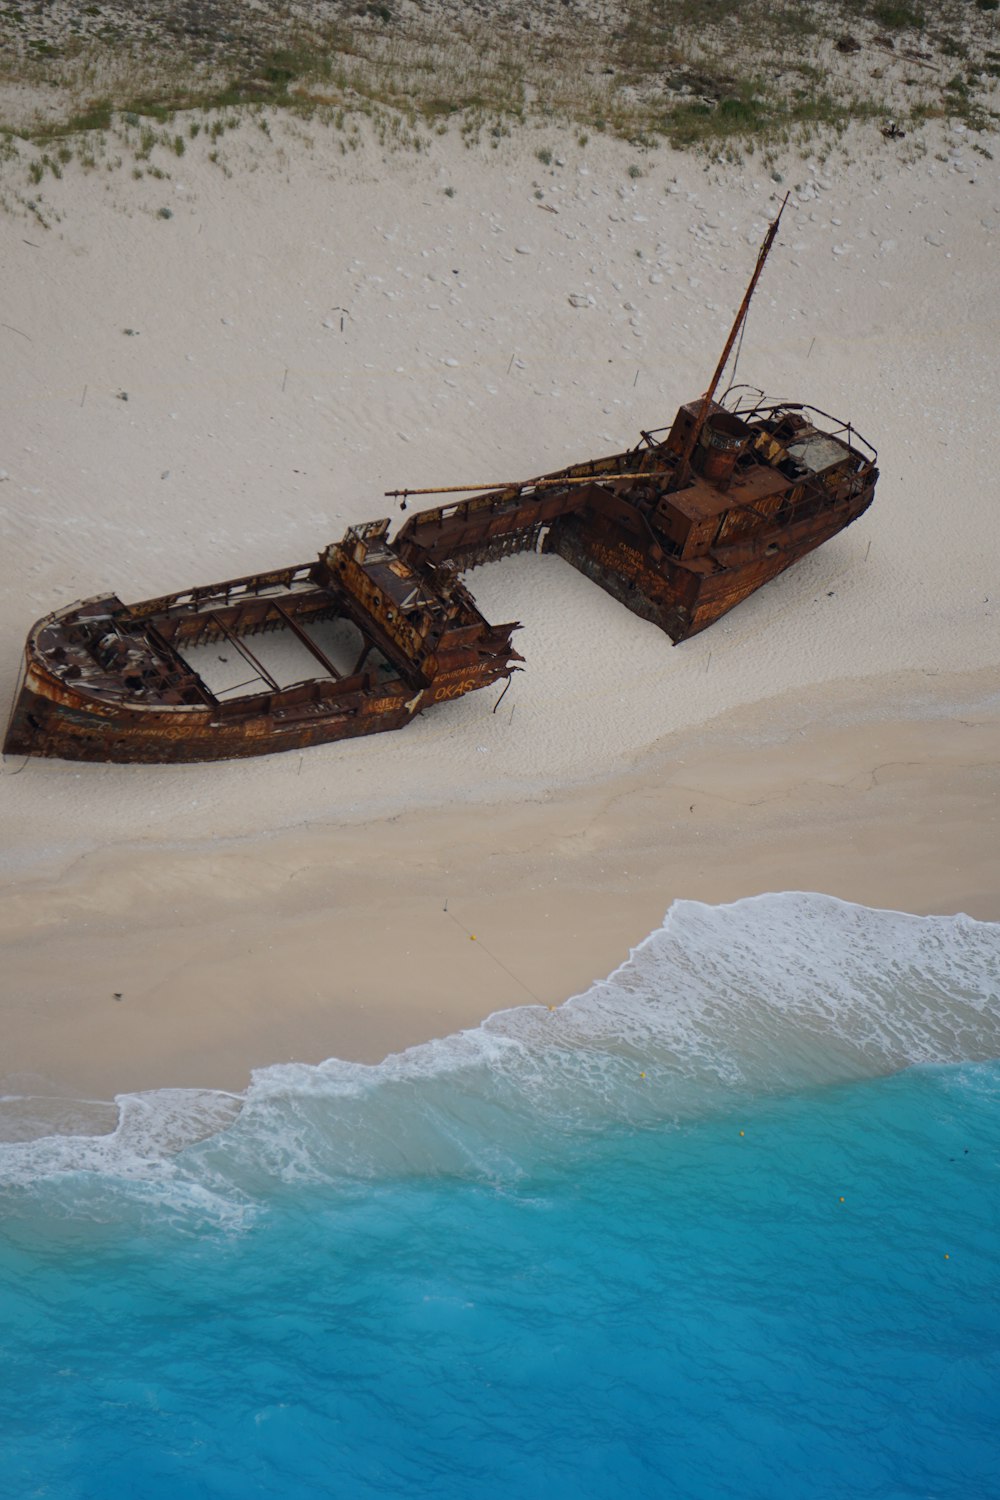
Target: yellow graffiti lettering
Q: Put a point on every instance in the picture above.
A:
(455, 689)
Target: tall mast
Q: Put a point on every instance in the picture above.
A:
(681, 475)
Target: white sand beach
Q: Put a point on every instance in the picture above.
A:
(215, 372)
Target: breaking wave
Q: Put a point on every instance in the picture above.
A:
(770, 995)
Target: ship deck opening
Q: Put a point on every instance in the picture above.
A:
(249, 663)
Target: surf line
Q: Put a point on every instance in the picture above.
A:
(498, 961)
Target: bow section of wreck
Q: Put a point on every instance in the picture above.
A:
(108, 681)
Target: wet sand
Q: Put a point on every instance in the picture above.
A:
(362, 940)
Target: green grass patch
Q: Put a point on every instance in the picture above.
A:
(899, 17)
(96, 116)
(703, 74)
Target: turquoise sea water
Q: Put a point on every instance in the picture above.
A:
(726, 1225)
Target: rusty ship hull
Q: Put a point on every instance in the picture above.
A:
(684, 556)
(106, 681)
(681, 528)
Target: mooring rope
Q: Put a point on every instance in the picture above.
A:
(498, 961)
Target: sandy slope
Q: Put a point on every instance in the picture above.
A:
(258, 424)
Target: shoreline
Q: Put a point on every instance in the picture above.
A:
(357, 941)
(205, 411)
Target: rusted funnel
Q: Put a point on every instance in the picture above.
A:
(722, 440)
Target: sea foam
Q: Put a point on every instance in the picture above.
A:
(769, 995)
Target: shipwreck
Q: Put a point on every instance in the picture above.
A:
(681, 528)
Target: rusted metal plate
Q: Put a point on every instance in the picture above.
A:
(678, 557)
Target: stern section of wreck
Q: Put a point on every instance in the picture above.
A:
(765, 486)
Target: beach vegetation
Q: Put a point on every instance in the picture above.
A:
(896, 16)
(722, 77)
